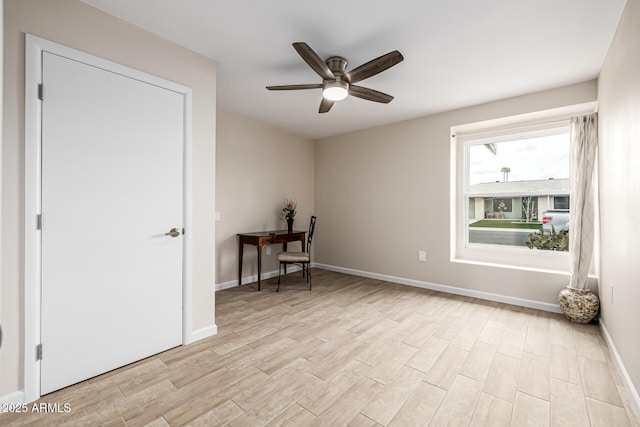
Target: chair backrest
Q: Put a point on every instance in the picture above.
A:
(312, 226)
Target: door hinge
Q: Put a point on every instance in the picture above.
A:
(39, 222)
(40, 96)
(39, 352)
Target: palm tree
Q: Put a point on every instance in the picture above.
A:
(505, 173)
(491, 147)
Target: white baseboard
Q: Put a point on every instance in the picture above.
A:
(538, 305)
(625, 375)
(254, 278)
(14, 398)
(202, 333)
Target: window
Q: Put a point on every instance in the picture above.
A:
(507, 176)
(561, 202)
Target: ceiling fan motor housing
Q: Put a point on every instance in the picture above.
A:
(337, 65)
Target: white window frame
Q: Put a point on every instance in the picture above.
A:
(500, 255)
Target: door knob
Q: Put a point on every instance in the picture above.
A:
(174, 232)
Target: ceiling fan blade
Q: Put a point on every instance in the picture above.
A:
(295, 87)
(314, 61)
(325, 105)
(374, 67)
(369, 94)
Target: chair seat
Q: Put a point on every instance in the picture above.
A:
(293, 256)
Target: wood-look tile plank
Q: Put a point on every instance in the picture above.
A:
(387, 401)
(530, 411)
(294, 415)
(421, 333)
(111, 409)
(534, 376)
(362, 421)
(325, 394)
(568, 404)
(158, 422)
(348, 405)
(331, 346)
(446, 368)
(268, 400)
(502, 378)
(274, 362)
(491, 411)
(271, 385)
(338, 359)
(492, 332)
(420, 407)
(479, 361)
(448, 329)
(394, 359)
(467, 334)
(598, 381)
(603, 414)
(428, 354)
(459, 403)
(564, 364)
(537, 343)
(222, 414)
(560, 332)
(119, 422)
(589, 346)
(186, 400)
(512, 342)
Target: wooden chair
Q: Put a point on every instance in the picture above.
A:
(301, 258)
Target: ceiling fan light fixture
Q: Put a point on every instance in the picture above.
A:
(335, 90)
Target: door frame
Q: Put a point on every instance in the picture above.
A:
(35, 46)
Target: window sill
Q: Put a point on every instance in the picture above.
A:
(510, 266)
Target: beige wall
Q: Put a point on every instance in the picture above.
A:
(619, 180)
(257, 167)
(72, 23)
(383, 195)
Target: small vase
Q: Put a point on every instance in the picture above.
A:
(579, 306)
(289, 225)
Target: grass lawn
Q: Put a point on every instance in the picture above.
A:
(506, 223)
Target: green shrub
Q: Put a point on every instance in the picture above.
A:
(554, 241)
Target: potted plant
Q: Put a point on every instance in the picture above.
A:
(289, 211)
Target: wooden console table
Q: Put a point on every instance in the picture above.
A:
(264, 238)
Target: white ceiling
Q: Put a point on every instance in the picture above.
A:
(457, 52)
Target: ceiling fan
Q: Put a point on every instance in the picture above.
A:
(336, 84)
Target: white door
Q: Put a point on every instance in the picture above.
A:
(112, 159)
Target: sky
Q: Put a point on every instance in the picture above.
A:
(529, 159)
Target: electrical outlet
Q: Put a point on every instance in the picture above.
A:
(268, 250)
(422, 256)
(217, 215)
(611, 286)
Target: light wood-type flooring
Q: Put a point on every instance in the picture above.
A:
(360, 352)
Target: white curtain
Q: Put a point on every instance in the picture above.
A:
(584, 142)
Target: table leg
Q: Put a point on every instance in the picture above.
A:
(284, 249)
(259, 264)
(241, 244)
(302, 246)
